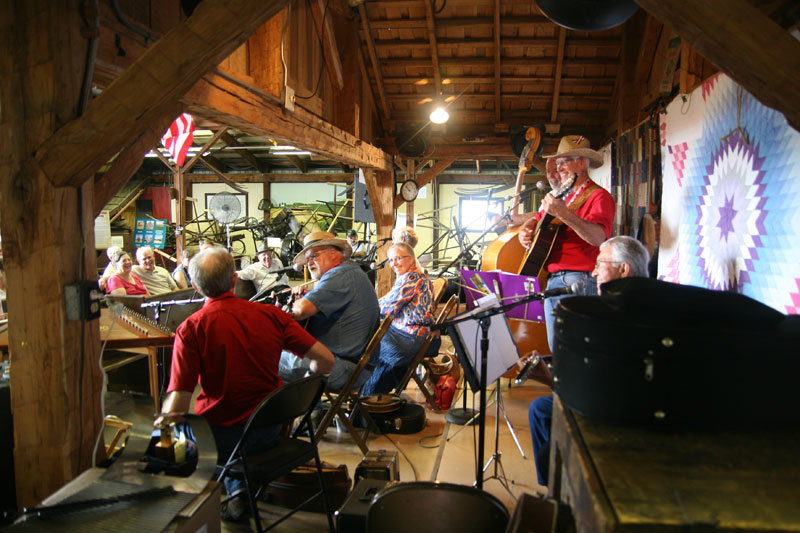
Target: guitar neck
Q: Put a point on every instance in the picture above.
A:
(518, 190)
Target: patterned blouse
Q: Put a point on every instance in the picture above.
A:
(410, 302)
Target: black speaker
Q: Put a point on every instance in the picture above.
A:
(588, 15)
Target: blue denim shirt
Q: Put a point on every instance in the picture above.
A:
(348, 310)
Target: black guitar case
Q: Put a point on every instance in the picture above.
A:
(649, 352)
(409, 418)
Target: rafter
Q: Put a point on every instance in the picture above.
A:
(333, 63)
(497, 87)
(434, 49)
(245, 154)
(422, 62)
(562, 37)
(134, 101)
(376, 66)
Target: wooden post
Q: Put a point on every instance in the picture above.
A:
(380, 187)
(48, 242)
(180, 212)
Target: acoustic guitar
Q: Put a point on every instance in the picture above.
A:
(544, 236)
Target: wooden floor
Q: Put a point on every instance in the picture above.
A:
(419, 452)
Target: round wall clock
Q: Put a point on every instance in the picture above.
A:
(409, 190)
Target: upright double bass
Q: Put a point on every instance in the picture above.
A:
(506, 253)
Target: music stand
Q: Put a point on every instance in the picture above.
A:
(476, 372)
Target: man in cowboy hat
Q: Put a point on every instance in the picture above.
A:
(587, 214)
(263, 273)
(359, 249)
(342, 309)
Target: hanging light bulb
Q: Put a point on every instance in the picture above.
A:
(439, 115)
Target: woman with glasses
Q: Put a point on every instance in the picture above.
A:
(410, 302)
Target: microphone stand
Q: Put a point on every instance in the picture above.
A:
(484, 320)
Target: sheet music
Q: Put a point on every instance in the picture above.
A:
(502, 354)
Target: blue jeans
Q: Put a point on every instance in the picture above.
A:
(559, 280)
(226, 438)
(540, 417)
(395, 352)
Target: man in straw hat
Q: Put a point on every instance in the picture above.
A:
(264, 273)
(342, 309)
(587, 213)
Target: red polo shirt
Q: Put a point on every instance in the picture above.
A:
(570, 252)
(233, 346)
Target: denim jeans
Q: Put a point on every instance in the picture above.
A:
(559, 280)
(540, 417)
(395, 352)
(226, 438)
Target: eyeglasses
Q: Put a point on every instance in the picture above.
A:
(563, 161)
(397, 258)
(313, 257)
(599, 261)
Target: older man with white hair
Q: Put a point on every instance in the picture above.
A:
(156, 279)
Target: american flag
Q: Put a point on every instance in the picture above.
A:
(178, 138)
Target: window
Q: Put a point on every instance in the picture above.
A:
(475, 214)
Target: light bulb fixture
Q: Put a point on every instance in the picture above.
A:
(439, 115)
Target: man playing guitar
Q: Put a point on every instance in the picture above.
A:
(587, 214)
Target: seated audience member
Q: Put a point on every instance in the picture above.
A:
(124, 282)
(263, 272)
(109, 270)
(620, 257)
(181, 272)
(342, 309)
(410, 302)
(231, 347)
(406, 235)
(359, 249)
(155, 278)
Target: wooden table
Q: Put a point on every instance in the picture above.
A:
(625, 479)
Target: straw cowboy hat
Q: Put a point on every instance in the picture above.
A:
(577, 146)
(321, 238)
(262, 248)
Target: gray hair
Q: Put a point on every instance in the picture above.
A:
(407, 235)
(119, 254)
(212, 271)
(140, 252)
(628, 250)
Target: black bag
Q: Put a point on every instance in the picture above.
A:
(410, 418)
(656, 353)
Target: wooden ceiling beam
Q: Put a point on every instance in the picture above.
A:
(562, 38)
(140, 96)
(511, 42)
(301, 165)
(274, 178)
(376, 65)
(738, 38)
(244, 154)
(417, 80)
(333, 62)
(128, 161)
(487, 62)
(221, 175)
(457, 22)
(431, 25)
(219, 99)
(546, 98)
(470, 115)
(498, 107)
(426, 177)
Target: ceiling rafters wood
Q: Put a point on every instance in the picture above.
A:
(433, 46)
(383, 45)
(333, 63)
(562, 38)
(497, 88)
(376, 67)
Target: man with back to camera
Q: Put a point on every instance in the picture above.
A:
(232, 347)
(342, 308)
(620, 257)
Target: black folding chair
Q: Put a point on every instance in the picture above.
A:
(282, 406)
(447, 508)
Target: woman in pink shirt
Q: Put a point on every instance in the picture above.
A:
(124, 282)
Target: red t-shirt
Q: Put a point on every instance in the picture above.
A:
(131, 289)
(233, 347)
(570, 252)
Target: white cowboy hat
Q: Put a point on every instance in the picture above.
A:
(321, 238)
(577, 146)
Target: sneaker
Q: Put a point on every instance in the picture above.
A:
(235, 510)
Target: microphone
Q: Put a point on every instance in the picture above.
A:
(575, 288)
(541, 185)
(378, 266)
(284, 270)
